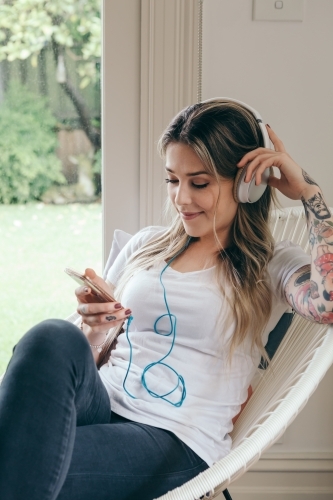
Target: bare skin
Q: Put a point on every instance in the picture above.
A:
(203, 203)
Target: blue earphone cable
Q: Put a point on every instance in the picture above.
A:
(173, 324)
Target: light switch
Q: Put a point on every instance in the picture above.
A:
(275, 10)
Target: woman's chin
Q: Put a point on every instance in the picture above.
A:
(194, 232)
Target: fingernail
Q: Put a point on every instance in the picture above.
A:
(118, 306)
(128, 311)
(268, 125)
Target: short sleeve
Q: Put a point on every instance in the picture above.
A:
(123, 246)
(287, 259)
(120, 238)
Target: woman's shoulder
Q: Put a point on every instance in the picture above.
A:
(126, 243)
(121, 238)
(288, 255)
(285, 249)
(151, 231)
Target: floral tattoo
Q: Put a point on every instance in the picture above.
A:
(302, 298)
(321, 232)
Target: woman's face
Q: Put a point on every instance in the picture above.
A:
(197, 196)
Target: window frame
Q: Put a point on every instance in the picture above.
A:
(149, 72)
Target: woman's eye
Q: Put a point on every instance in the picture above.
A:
(196, 186)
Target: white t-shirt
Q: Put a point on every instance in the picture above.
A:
(215, 386)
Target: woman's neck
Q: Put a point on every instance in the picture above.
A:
(201, 254)
(212, 245)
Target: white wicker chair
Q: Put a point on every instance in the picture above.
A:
(303, 358)
(301, 361)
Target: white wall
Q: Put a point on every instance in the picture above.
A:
(285, 71)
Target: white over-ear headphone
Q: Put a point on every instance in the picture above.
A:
(248, 192)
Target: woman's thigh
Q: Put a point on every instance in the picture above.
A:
(127, 461)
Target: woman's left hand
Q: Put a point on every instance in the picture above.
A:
(294, 180)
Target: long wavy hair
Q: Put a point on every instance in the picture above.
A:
(221, 133)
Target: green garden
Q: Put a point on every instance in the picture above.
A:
(50, 158)
(37, 241)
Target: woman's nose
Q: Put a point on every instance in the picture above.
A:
(183, 195)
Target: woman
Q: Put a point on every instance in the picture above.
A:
(199, 299)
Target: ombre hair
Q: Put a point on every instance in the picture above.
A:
(221, 132)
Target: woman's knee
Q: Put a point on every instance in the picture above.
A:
(53, 336)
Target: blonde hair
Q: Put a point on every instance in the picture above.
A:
(220, 133)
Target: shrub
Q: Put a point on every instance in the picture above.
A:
(28, 163)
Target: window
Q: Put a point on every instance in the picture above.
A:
(50, 142)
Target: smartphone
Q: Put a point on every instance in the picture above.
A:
(100, 294)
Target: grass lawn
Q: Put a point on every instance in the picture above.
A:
(37, 242)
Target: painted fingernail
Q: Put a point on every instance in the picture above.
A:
(110, 318)
(127, 312)
(118, 306)
(268, 125)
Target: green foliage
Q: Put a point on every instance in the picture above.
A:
(27, 26)
(28, 164)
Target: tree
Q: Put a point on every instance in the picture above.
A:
(28, 166)
(72, 28)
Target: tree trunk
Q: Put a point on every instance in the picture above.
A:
(42, 74)
(76, 98)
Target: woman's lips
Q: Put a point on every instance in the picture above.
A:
(190, 215)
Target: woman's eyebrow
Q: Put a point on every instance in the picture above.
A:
(191, 174)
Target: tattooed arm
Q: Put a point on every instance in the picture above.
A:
(310, 289)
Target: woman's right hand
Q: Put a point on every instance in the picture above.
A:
(98, 318)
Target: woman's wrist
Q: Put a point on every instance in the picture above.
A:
(95, 339)
(315, 207)
(309, 191)
(99, 347)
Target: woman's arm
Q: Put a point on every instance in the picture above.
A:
(310, 289)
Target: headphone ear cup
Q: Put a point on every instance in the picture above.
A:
(237, 181)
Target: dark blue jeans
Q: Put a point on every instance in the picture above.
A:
(59, 439)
